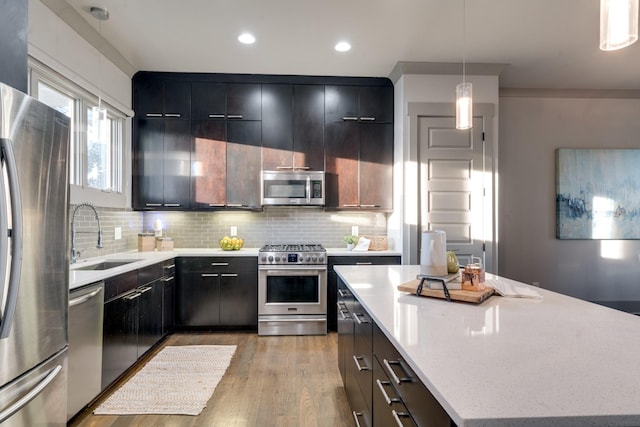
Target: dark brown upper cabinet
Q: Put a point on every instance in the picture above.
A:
(157, 98)
(359, 104)
(292, 127)
(233, 101)
(359, 166)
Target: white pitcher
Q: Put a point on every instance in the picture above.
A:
(433, 253)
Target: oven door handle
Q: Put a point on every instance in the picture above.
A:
(292, 272)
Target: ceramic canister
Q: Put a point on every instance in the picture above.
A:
(433, 253)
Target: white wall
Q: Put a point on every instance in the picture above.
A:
(532, 128)
(54, 43)
(415, 88)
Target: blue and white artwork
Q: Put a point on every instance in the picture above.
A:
(598, 194)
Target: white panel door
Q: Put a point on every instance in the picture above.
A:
(453, 178)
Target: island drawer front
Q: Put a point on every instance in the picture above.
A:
(388, 407)
(420, 403)
(363, 350)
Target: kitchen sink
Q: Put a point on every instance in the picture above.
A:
(105, 265)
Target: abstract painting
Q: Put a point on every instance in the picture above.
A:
(598, 194)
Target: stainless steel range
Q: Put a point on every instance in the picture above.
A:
(292, 290)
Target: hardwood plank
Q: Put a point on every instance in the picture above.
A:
(272, 381)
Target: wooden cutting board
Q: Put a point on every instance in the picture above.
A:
(456, 294)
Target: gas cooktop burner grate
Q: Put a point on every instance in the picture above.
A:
(314, 247)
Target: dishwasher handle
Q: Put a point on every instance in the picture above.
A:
(84, 298)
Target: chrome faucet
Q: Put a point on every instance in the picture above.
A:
(74, 252)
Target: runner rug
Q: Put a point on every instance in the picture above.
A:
(178, 380)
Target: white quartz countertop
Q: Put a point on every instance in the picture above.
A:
(555, 361)
(79, 278)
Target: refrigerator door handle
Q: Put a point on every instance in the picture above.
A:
(8, 305)
(29, 396)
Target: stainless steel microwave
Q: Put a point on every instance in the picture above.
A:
(293, 188)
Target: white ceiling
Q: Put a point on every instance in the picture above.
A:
(547, 43)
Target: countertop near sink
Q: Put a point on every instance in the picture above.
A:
(79, 278)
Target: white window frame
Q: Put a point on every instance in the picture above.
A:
(81, 192)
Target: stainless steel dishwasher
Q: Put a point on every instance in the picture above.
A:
(86, 308)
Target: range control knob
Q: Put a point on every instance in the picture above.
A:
(307, 258)
(314, 258)
(300, 258)
(321, 259)
(277, 259)
(270, 258)
(263, 258)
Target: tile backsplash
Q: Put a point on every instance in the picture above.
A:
(273, 225)
(204, 229)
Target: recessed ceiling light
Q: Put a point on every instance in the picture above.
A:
(246, 38)
(342, 46)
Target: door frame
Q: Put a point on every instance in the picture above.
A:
(411, 229)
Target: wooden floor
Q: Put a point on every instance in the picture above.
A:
(272, 381)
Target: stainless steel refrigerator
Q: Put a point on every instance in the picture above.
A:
(34, 260)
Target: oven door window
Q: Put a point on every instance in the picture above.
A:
(293, 289)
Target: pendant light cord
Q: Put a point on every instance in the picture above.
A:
(464, 39)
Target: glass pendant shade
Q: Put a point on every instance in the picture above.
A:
(618, 23)
(464, 106)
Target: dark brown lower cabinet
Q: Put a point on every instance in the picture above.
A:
(217, 293)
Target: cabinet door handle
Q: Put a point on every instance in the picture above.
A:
(364, 263)
(144, 290)
(387, 399)
(132, 296)
(234, 116)
(350, 206)
(284, 167)
(153, 115)
(369, 206)
(350, 119)
(216, 205)
(357, 317)
(209, 275)
(235, 205)
(397, 415)
(169, 267)
(229, 275)
(355, 417)
(301, 168)
(172, 205)
(395, 378)
(168, 279)
(359, 366)
(368, 119)
(153, 205)
(216, 116)
(177, 115)
(219, 264)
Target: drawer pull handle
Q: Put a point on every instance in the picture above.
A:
(343, 294)
(153, 115)
(216, 116)
(153, 205)
(387, 399)
(209, 275)
(357, 317)
(177, 115)
(216, 205)
(219, 264)
(367, 119)
(355, 417)
(169, 267)
(364, 263)
(397, 415)
(350, 206)
(168, 279)
(344, 316)
(229, 275)
(395, 378)
(360, 367)
(172, 205)
(350, 119)
(234, 116)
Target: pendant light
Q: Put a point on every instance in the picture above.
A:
(99, 121)
(464, 98)
(618, 23)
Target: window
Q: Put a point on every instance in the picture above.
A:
(96, 151)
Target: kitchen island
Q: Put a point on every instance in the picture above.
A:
(555, 361)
